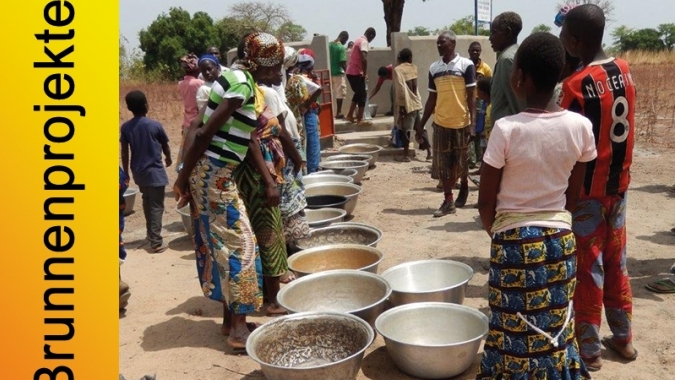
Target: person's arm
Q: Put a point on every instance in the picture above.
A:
(515, 105)
(429, 108)
(574, 184)
(492, 168)
(164, 141)
(377, 88)
(289, 148)
(343, 59)
(199, 142)
(470, 81)
(167, 154)
(364, 63)
(490, 179)
(256, 157)
(125, 157)
(471, 100)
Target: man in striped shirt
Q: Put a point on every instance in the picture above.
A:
(602, 90)
(452, 101)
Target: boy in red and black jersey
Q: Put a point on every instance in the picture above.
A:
(602, 90)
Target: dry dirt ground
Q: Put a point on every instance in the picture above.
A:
(170, 329)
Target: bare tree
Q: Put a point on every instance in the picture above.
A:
(261, 16)
(606, 5)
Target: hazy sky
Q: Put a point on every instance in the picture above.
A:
(325, 17)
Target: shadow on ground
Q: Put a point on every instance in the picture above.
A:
(656, 189)
(398, 211)
(660, 237)
(179, 332)
(198, 306)
(378, 365)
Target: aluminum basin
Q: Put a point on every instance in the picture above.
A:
(339, 166)
(186, 218)
(359, 293)
(320, 201)
(428, 281)
(332, 257)
(368, 149)
(349, 190)
(324, 217)
(326, 177)
(342, 233)
(130, 200)
(432, 340)
(350, 157)
(311, 346)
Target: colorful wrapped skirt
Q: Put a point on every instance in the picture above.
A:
(532, 278)
(228, 263)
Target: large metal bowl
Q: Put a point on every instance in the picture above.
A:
(428, 281)
(432, 340)
(342, 233)
(129, 200)
(359, 293)
(339, 166)
(324, 178)
(349, 157)
(332, 257)
(186, 218)
(349, 173)
(324, 217)
(349, 190)
(368, 149)
(319, 201)
(311, 346)
(320, 172)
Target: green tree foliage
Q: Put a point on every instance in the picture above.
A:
(420, 31)
(650, 39)
(667, 35)
(177, 33)
(541, 28)
(173, 35)
(466, 26)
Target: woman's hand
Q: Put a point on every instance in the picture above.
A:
(181, 193)
(273, 196)
(297, 166)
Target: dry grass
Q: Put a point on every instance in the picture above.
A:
(655, 116)
(638, 57)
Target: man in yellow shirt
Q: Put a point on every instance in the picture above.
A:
(452, 102)
(483, 70)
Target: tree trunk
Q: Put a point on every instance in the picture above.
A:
(393, 13)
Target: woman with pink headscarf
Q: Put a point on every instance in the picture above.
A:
(188, 88)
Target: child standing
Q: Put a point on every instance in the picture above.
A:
(532, 173)
(147, 140)
(604, 91)
(408, 101)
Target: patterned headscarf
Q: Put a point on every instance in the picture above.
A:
(560, 17)
(290, 57)
(189, 63)
(209, 57)
(305, 58)
(261, 49)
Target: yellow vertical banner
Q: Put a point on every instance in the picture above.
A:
(60, 112)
